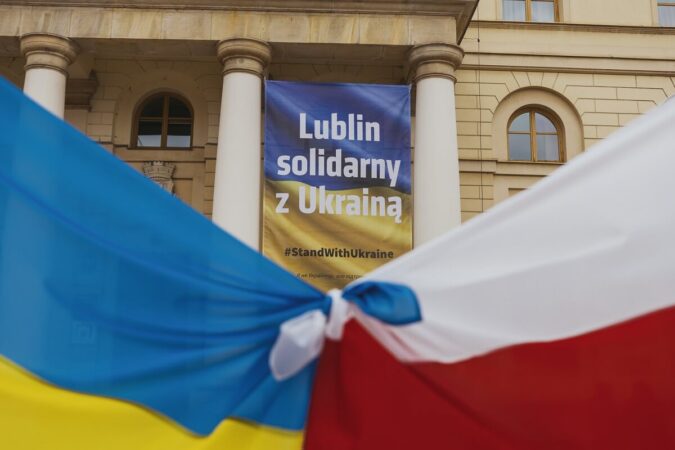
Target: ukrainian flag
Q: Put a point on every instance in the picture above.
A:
(127, 320)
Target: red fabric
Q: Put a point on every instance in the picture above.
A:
(610, 389)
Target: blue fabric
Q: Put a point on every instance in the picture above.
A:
(111, 286)
(394, 304)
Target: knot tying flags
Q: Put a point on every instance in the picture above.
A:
(301, 339)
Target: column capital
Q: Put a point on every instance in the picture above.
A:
(434, 60)
(48, 50)
(244, 55)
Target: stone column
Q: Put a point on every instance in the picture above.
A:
(47, 58)
(436, 161)
(236, 197)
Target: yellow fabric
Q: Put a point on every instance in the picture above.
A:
(35, 415)
(313, 231)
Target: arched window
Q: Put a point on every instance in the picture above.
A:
(531, 10)
(163, 121)
(535, 135)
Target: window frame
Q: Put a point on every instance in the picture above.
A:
(532, 110)
(528, 12)
(165, 121)
(660, 3)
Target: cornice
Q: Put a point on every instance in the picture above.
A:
(435, 7)
(461, 10)
(568, 64)
(571, 27)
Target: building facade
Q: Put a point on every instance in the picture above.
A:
(505, 91)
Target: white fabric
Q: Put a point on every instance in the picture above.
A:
(340, 313)
(301, 339)
(590, 246)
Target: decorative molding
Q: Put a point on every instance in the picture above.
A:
(244, 55)
(48, 51)
(160, 172)
(434, 60)
(560, 26)
(510, 168)
(568, 64)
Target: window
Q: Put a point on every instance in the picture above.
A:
(534, 135)
(530, 10)
(163, 121)
(667, 13)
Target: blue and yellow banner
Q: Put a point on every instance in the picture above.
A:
(337, 198)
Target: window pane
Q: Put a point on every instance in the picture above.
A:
(547, 148)
(543, 11)
(179, 135)
(521, 123)
(543, 124)
(667, 16)
(519, 147)
(149, 133)
(154, 108)
(514, 10)
(178, 109)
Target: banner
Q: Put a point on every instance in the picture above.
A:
(337, 200)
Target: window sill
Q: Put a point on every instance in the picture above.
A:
(546, 163)
(195, 154)
(526, 168)
(180, 149)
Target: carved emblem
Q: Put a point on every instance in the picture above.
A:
(160, 172)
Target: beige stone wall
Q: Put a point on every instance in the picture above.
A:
(12, 69)
(595, 12)
(605, 64)
(591, 106)
(123, 83)
(614, 12)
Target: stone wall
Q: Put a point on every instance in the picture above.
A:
(123, 83)
(596, 12)
(12, 69)
(602, 103)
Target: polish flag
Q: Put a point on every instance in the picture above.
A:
(547, 322)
